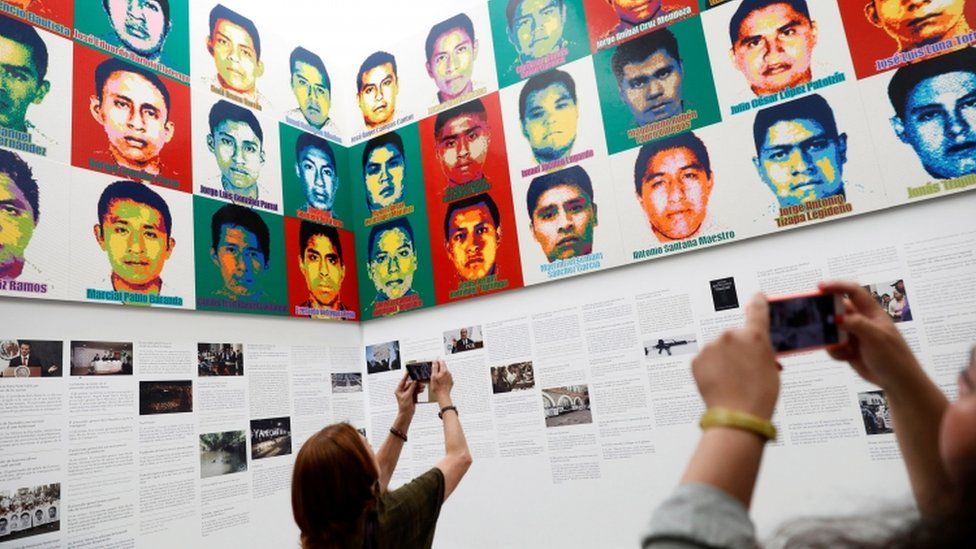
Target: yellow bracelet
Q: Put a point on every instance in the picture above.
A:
(723, 417)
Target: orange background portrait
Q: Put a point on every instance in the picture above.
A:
(88, 136)
(297, 289)
(507, 263)
(601, 17)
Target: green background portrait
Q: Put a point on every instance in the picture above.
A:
(506, 56)
(698, 86)
(90, 18)
(208, 275)
(294, 190)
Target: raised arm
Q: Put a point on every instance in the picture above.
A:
(457, 457)
(389, 453)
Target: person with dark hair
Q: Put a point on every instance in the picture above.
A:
(235, 45)
(392, 260)
(132, 104)
(535, 27)
(25, 521)
(673, 181)
(378, 87)
(562, 213)
(38, 517)
(316, 168)
(549, 114)
(322, 266)
(633, 13)
(23, 57)
(140, 25)
(20, 214)
(650, 76)
(739, 381)
(914, 26)
(240, 247)
(452, 49)
(461, 140)
(237, 143)
(339, 493)
(135, 230)
(800, 155)
(472, 235)
(772, 43)
(312, 87)
(384, 169)
(3, 526)
(935, 112)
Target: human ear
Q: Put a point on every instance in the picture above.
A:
(871, 13)
(99, 235)
(899, 127)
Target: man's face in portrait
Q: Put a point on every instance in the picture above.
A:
(384, 172)
(239, 154)
(462, 148)
(314, 99)
(563, 222)
(940, 116)
(25, 349)
(378, 94)
(652, 88)
(235, 57)
(136, 240)
(392, 263)
(464, 333)
(472, 242)
(674, 193)
(551, 119)
(452, 62)
(913, 24)
(323, 270)
(140, 24)
(20, 86)
(774, 48)
(318, 176)
(634, 12)
(240, 260)
(537, 29)
(52, 512)
(16, 227)
(133, 113)
(800, 163)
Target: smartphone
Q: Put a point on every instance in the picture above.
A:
(805, 322)
(419, 371)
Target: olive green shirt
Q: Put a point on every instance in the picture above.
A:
(406, 517)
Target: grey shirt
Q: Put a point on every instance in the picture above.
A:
(699, 515)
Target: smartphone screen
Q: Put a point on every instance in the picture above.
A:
(419, 371)
(804, 322)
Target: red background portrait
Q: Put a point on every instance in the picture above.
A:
(88, 136)
(601, 17)
(869, 43)
(61, 12)
(297, 289)
(507, 263)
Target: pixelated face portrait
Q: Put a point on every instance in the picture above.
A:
(800, 162)
(133, 112)
(137, 241)
(537, 27)
(392, 263)
(550, 123)
(383, 173)
(21, 84)
(462, 148)
(141, 25)
(239, 153)
(634, 12)
(674, 193)
(652, 88)
(241, 260)
(18, 219)
(472, 241)
(314, 98)
(774, 48)
(234, 54)
(317, 172)
(940, 123)
(38, 515)
(913, 24)
(378, 94)
(323, 270)
(452, 62)
(563, 221)
(52, 513)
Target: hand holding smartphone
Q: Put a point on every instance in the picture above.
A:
(805, 322)
(420, 371)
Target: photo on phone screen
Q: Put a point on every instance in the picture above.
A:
(804, 322)
(419, 371)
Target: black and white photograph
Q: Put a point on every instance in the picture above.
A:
(101, 358)
(348, 382)
(270, 437)
(671, 345)
(463, 339)
(875, 413)
(568, 405)
(27, 512)
(165, 397)
(31, 358)
(220, 359)
(383, 357)
(222, 453)
(514, 377)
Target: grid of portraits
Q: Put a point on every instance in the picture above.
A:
(162, 154)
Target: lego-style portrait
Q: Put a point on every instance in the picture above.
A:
(452, 49)
(396, 273)
(563, 212)
(384, 169)
(56, 16)
(321, 271)
(233, 44)
(314, 175)
(378, 87)
(311, 88)
(612, 22)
